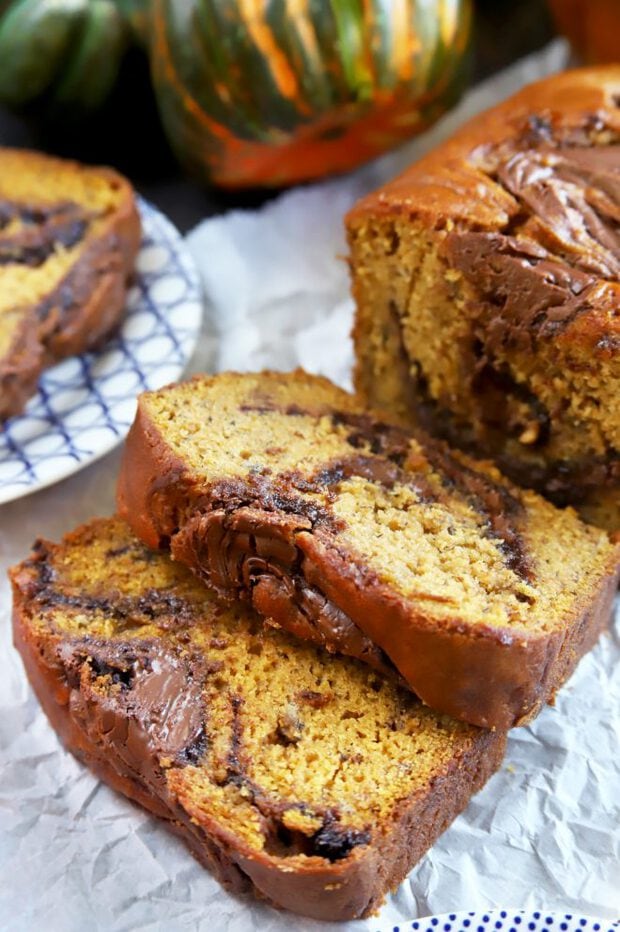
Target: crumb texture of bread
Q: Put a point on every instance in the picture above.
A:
(280, 489)
(306, 778)
(487, 285)
(69, 235)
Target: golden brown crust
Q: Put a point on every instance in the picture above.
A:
(147, 465)
(489, 676)
(86, 306)
(337, 890)
(446, 187)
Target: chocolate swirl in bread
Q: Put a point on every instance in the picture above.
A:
(487, 283)
(344, 529)
(306, 779)
(68, 240)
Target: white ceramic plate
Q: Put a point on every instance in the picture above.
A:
(85, 405)
(504, 920)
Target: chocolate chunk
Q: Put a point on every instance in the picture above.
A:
(140, 699)
(335, 841)
(34, 247)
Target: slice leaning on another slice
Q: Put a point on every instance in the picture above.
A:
(282, 490)
(69, 235)
(305, 778)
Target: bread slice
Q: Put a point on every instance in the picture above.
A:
(304, 778)
(280, 489)
(487, 283)
(68, 240)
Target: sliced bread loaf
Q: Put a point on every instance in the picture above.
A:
(487, 283)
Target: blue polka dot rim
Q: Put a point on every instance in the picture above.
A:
(85, 405)
(506, 920)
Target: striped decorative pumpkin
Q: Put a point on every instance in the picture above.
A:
(251, 92)
(273, 92)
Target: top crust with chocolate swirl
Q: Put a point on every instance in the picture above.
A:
(487, 279)
(68, 240)
(281, 490)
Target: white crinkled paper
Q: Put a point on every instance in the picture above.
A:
(74, 855)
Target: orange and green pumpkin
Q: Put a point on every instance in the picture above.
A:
(251, 92)
(273, 92)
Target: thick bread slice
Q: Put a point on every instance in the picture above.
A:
(304, 778)
(69, 235)
(280, 489)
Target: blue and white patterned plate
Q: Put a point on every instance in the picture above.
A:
(511, 920)
(86, 404)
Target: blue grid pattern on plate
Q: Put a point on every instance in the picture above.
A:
(506, 921)
(85, 404)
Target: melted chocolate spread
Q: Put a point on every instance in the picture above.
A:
(332, 840)
(45, 229)
(490, 499)
(162, 606)
(244, 539)
(140, 700)
(532, 279)
(142, 703)
(248, 553)
(562, 481)
(539, 273)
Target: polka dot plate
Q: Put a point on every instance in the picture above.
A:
(85, 404)
(497, 920)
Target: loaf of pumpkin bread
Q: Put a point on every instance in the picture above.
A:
(280, 489)
(306, 779)
(68, 240)
(487, 282)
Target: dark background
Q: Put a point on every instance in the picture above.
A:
(127, 135)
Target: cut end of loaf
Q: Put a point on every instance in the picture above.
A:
(487, 280)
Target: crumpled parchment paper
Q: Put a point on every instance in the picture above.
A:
(74, 855)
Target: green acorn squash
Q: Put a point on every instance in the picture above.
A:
(63, 55)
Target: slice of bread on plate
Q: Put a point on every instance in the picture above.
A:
(69, 235)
